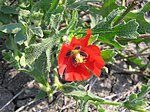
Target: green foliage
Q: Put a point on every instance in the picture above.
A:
(35, 50)
(137, 102)
(33, 33)
(108, 55)
(108, 32)
(107, 7)
(9, 10)
(10, 28)
(139, 16)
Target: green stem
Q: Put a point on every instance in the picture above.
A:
(144, 49)
(47, 88)
(57, 83)
(123, 3)
(110, 103)
(56, 80)
(134, 3)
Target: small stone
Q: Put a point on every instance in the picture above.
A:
(5, 96)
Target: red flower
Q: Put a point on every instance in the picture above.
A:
(78, 60)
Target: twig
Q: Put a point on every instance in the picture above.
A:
(12, 2)
(56, 96)
(111, 96)
(136, 55)
(127, 72)
(144, 36)
(144, 49)
(91, 84)
(67, 106)
(147, 108)
(123, 3)
(94, 5)
(12, 99)
(22, 107)
(26, 86)
(134, 3)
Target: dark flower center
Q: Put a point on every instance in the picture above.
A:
(78, 56)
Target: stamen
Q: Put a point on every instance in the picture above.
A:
(78, 57)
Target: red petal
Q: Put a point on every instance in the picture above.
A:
(94, 62)
(99, 62)
(93, 68)
(81, 41)
(85, 40)
(77, 73)
(75, 42)
(61, 69)
(62, 55)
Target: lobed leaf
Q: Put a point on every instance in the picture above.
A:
(107, 32)
(108, 7)
(37, 31)
(108, 54)
(139, 16)
(10, 28)
(35, 50)
(9, 10)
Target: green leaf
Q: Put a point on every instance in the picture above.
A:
(85, 95)
(53, 5)
(8, 10)
(99, 108)
(20, 37)
(107, 22)
(84, 106)
(73, 22)
(135, 41)
(81, 4)
(48, 54)
(107, 32)
(125, 30)
(1, 2)
(37, 31)
(95, 18)
(43, 5)
(108, 6)
(108, 55)
(55, 20)
(22, 60)
(10, 28)
(146, 7)
(144, 90)
(144, 24)
(137, 61)
(38, 70)
(35, 50)
(5, 18)
(41, 95)
(132, 96)
(137, 102)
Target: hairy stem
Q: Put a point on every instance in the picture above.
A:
(111, 103)
(123, 3)
(134, 3)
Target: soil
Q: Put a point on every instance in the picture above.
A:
(17, 97)
(111, 86)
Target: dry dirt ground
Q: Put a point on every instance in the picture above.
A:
(13, 90)
(16, 96)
